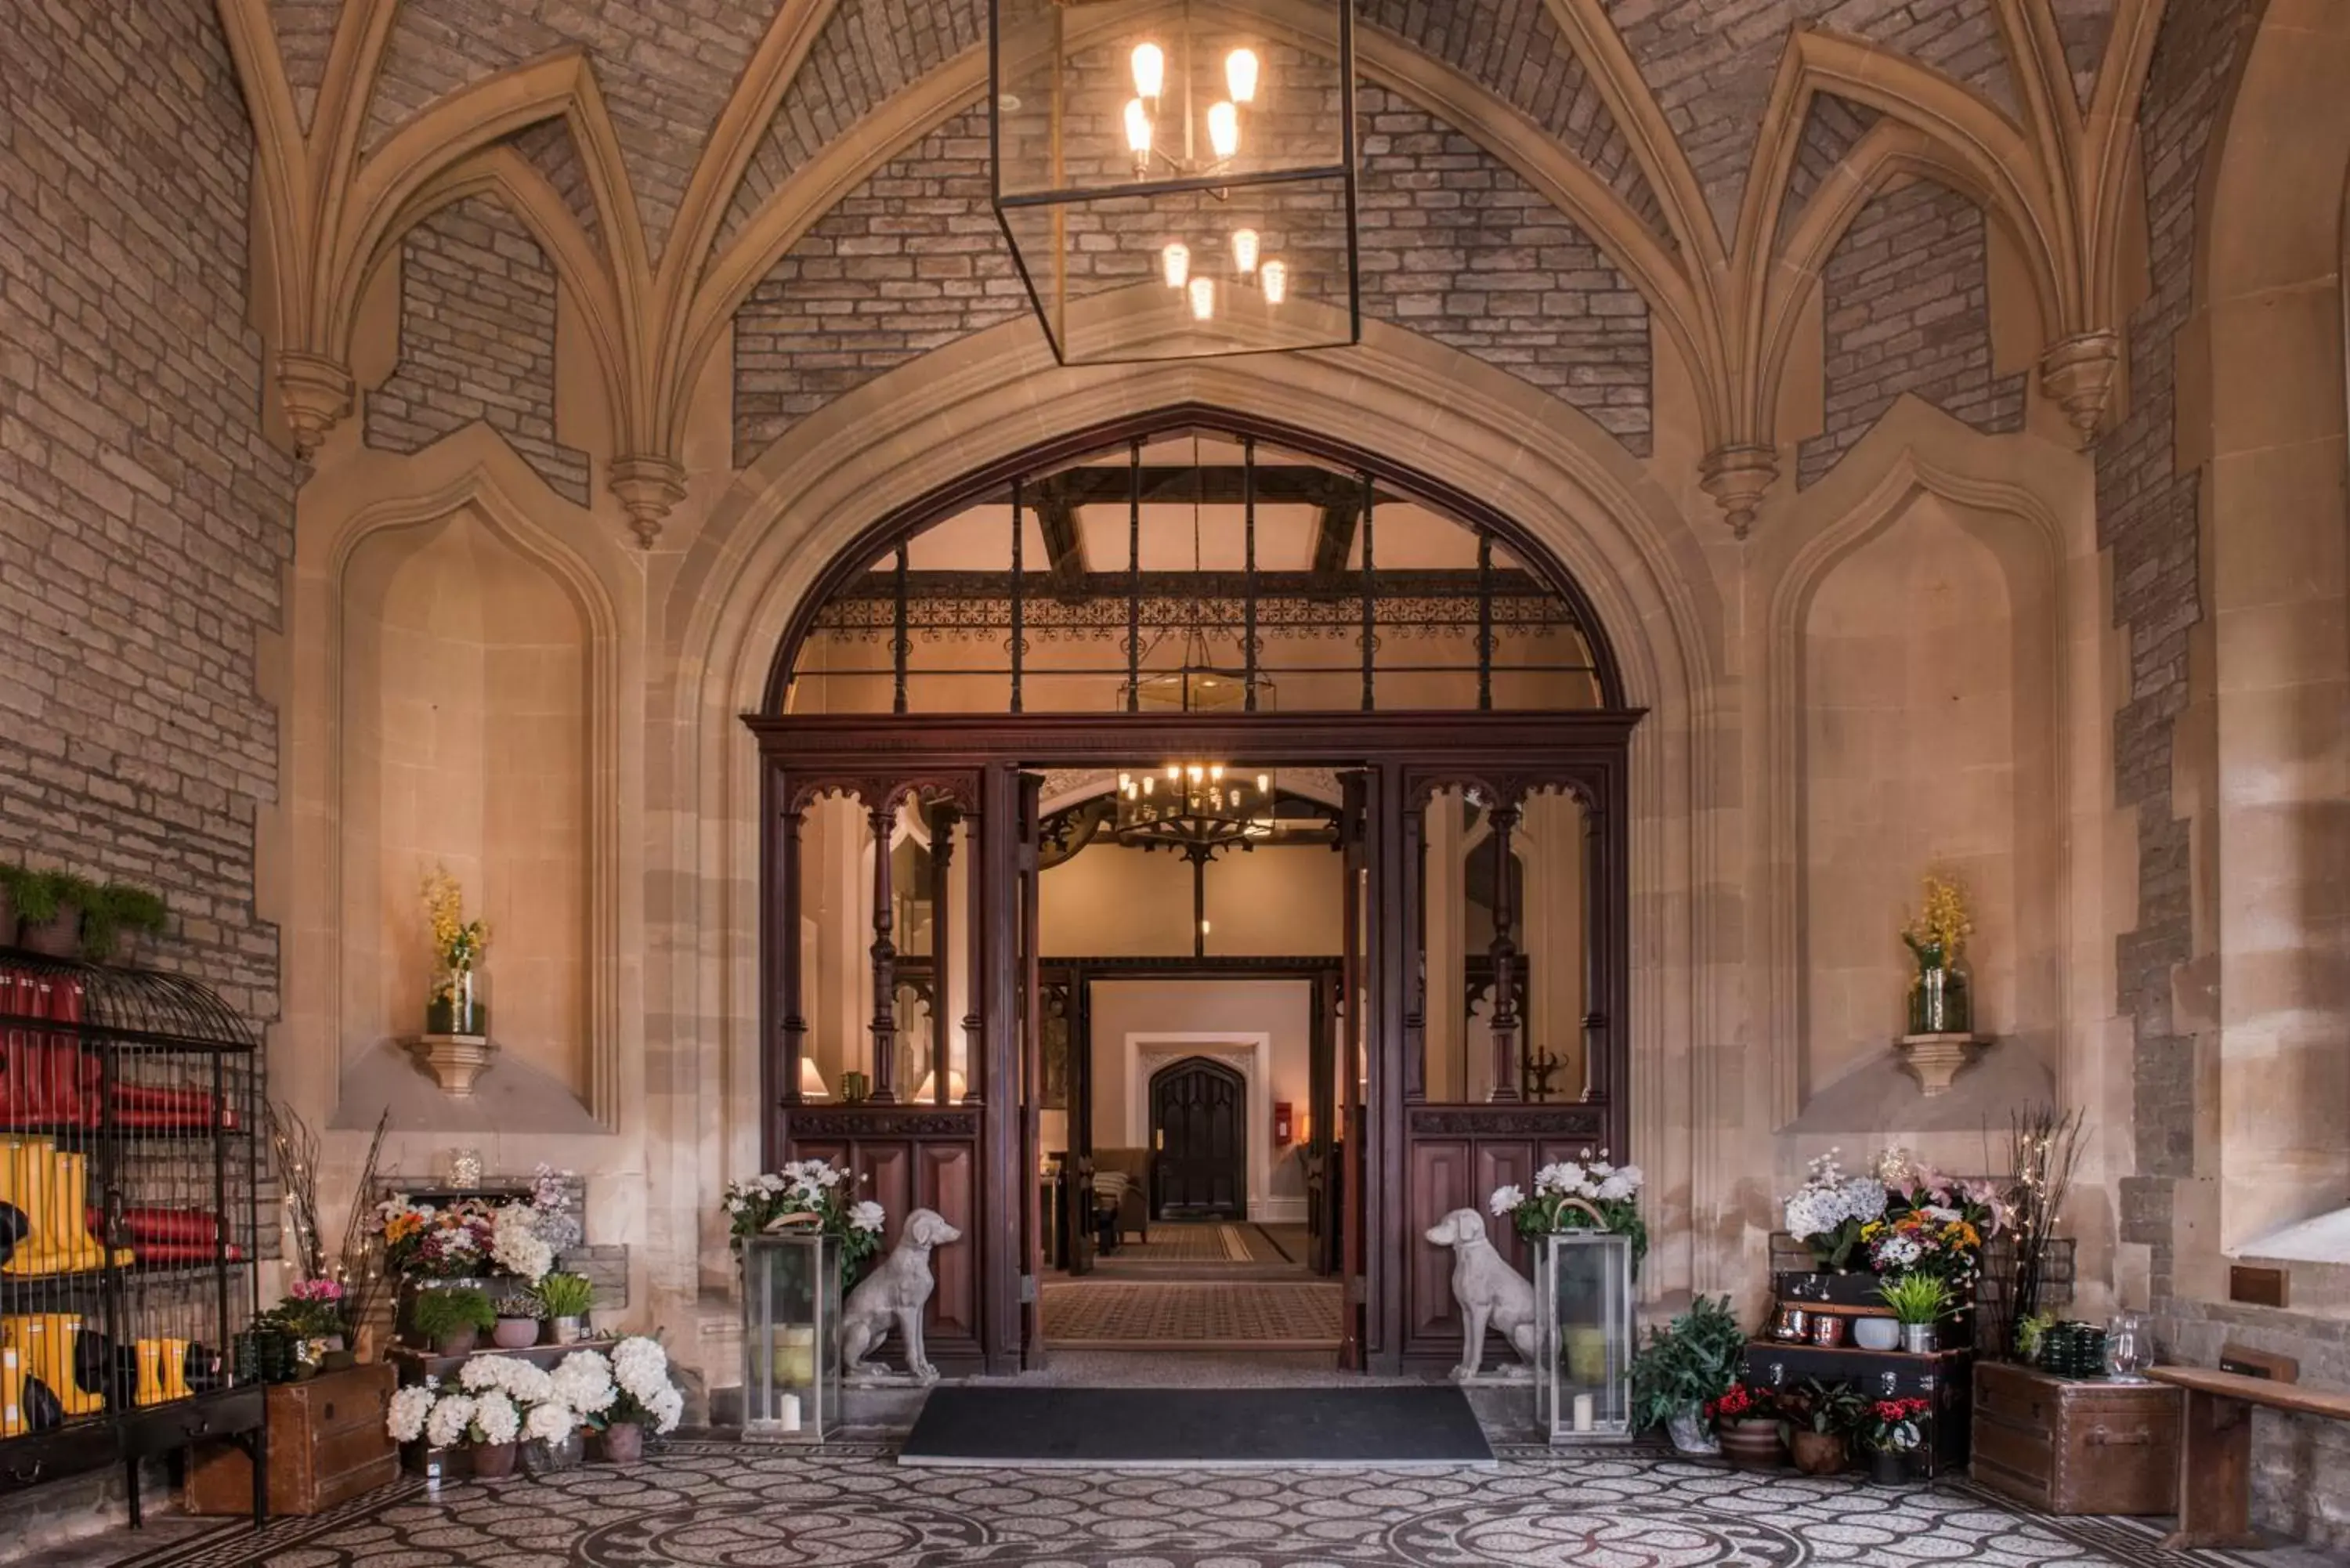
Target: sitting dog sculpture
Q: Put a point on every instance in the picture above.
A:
(893, 1295)
(1488, 1291)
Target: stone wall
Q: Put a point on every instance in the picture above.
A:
(1907, 299)
(1454, 245)
(144, 519)
(476, 342)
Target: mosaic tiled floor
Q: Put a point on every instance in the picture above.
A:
(731, 1506)
(1138, 1315)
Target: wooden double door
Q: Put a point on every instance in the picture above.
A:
(1199, 1162)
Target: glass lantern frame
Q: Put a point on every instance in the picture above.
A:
(1005, 203)
(1563, 1260)
(791, 1288)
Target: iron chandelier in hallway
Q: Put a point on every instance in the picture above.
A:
(1177, 177)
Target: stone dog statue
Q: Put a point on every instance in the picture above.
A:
(893, 1295)
(1487, 1289)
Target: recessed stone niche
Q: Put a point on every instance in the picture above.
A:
(464, 741)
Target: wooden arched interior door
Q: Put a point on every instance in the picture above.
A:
(1199, 1118)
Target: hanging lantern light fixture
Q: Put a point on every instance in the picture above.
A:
(1177, 180)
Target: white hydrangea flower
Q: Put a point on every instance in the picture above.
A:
(445, 1428)
(515, 1244)
(640, 1367)
(495, 1419)
(410, 1406)
(866, 1216)
(549, 1423)
(584, 1382)
(1507, 1198)
(667, 1406)
(1614, 1188)
(1633, 1176)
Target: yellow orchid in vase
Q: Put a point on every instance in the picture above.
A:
(1939, 1002)
(458, 946)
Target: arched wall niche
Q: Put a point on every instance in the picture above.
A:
(470, 664)
(984, 400)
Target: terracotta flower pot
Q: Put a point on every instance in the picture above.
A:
(515, 1333)
(1819, 1453)
(623, 1443)
(1752, 1445)
(494, 1461)
(457, 1342)
(57, 938)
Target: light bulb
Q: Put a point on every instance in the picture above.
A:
(1244, 251)
(1224, 130)
(1203, 928)
(1150, 787)
(1174, 770)
(1217, 773)
(1239, 75)
(1125, 781)
(1138, 128)
(1273, 278)
(1195, 773)
(1175, 262)
(1149, 69)
(1203, 298)
(1264, 784)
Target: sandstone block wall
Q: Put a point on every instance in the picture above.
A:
(144, 520)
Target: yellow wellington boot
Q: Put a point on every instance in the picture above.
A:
(73, 1216)
(44, 1345)
(151, 1372)
(12, 1394)
(31, 1168)
(175, 1368)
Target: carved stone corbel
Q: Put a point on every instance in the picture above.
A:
(315, 392)
(1737, 477)
(647, 486)
(2078, 372)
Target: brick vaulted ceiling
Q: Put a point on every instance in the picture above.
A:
(665, 156)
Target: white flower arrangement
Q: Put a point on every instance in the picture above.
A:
(1830, 1208)
(646, 1396)
(804, 1192)
(519, 1380)
(1566, 1194)
(495, 1420)
(584, 1383)
(517, 1246)
(550, 1423)
(445, 1428)
(409, 1407)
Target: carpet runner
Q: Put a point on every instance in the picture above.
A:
(1029, 1429)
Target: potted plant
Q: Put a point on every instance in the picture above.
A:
(1692, 1360)
(487, 1422)
(49, 907)
(645, 1398)
(1918, 1301)
(1891, 1433)
(519, 1315)
(452, 1321)
(454, 1007)
(116, 918)
(1745, 1421)
(1821, 1419)
(1937, 938)
(1831, 1209)
(565, 1298)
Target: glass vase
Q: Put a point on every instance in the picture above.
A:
(1940, 1001)
(456, 1007)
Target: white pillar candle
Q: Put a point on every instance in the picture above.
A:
(1583, 1412)
(788, 1413)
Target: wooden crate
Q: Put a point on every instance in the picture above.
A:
(327, 1444)
(2076, 1445)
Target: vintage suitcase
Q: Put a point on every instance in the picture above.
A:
(2076, 1446)
(327, 1444)
(1941, 1379)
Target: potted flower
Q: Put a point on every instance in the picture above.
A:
(645, 1398)
(49, 907)
(421, 1240)
(458, 944)
(1918, 1301)
(451, 1320)
(804, 1194)
(1830, 1211)
(565, 1299)
(1745, 1422)
(517, 1244)
(1937, 938)
(312, 1315)
(1821, 1420)
(1690, 1361)
(1891, 1432)
(519, 1316)
(487, 1422)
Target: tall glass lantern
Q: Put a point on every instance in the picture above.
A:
(1177, 177)
(791, 1336)
(1583, 1336)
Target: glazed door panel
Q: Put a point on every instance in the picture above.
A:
(1200, 1169)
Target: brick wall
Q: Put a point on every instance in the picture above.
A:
(2150, 519)
(1455, 245)
(476, 342)
(1907, 309)
(143, 520)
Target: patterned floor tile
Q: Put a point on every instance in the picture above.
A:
(729, 1505)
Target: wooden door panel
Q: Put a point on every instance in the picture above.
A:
(1200, 1161)
(1501, 1165)
(945, 1181)
(1440, 1184)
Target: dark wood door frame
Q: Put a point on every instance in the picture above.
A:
(976, 763)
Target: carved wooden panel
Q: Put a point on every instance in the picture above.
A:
(945, 1177)
(1440, 1184)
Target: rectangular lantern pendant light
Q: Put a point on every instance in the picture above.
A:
(1177, 177)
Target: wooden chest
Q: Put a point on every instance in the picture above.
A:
(2074, 1446)
(327, 1444)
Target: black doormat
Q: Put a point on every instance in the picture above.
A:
(1221, 1427)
